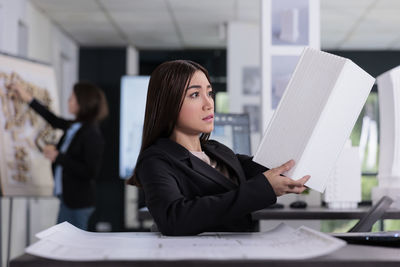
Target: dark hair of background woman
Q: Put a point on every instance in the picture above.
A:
(92, 102)
(165, 96)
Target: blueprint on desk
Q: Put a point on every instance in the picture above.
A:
(66, 242)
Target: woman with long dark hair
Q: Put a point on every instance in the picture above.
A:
(192, 184)
(77, 156)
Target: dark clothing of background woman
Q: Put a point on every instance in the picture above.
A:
(82, 161)
(76, 159)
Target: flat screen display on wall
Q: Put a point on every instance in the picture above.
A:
(132, 108)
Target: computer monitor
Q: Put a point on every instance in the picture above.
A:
(233, 130)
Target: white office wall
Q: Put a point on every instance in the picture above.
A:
(46, 43)
(39, 35)
(65, 56)
(12, 12)
(243, 51)
(1, 20)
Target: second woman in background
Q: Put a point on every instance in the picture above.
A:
(77, 157)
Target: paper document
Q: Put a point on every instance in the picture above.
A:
(315, 116)
(65, 242)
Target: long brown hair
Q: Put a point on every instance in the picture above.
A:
(165, 93)
(92, 102)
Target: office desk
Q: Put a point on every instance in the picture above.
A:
(309, 213)
(348, 256)
(319, 213)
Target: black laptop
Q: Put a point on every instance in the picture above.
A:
(360, 233)
(387, 239)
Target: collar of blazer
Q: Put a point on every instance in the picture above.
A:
(78, 133)
(214, 149)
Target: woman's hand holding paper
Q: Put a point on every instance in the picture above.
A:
(282, 184)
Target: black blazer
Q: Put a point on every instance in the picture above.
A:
(186, 196)
(82, 161)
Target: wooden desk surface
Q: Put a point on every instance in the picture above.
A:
(348, 256)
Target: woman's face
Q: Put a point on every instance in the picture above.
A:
(73, 106)
(197, 113)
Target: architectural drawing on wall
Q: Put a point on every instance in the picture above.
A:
(251, 80)
(24, 171)
(290, 24)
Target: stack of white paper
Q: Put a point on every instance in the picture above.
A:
(389, 150)
(343, 189)
(65, 242)
(315, 116)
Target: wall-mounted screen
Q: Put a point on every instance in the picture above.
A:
(132, 108)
